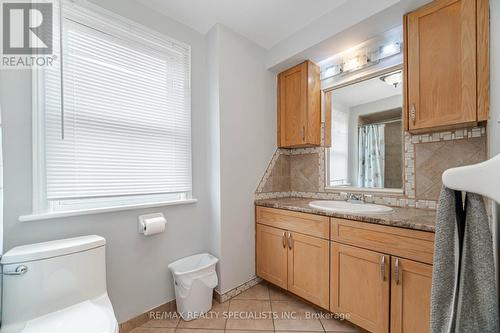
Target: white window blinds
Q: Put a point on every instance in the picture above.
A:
(122, 126)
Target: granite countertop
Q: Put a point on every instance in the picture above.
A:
(410, 218)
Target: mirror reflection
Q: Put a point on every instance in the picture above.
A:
(367, 133)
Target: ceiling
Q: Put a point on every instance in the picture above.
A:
(364, 92)
(266, 22)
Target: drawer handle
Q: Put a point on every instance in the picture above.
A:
(396, 271)
(382, 268)
(290, 240)
(284, 239)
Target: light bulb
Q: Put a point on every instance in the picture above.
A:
(390, 49)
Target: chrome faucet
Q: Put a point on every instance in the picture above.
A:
(355, 198)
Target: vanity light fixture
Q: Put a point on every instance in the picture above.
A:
(355, 63)
(331, 71)
(389, 50)
(361, 58)
(393, 79)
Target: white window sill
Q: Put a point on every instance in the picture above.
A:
(58, 214)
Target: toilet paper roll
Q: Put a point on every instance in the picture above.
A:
(152, 224)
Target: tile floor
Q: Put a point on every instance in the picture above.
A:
(289, 315)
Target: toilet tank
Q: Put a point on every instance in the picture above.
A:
(59, 274)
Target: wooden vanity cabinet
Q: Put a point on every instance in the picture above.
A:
(447, 65)
(299, 106)
(308, 268)
(271, 254)
(379, 276)
(360, 286)
(292, 252)
(411, 284)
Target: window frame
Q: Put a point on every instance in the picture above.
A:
(42, 208)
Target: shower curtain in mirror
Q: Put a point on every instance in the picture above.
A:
(371, 154)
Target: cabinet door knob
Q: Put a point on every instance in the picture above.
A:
(284, 239)
(382, 268)
(396, 271)
(303, 133)
(290, 240)
(413, 113)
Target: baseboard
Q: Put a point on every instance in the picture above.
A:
(221, 298)
(143, 318)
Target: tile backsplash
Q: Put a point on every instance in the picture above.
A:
(279, 178)
(301, 172)
(451, 153)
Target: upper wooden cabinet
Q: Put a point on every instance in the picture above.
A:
(447, 64)
(299, 106)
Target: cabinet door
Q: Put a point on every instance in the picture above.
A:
(271, 255)
(410, 296)
(441, 47)
(292, 106)
(308, 268)
(360, 286)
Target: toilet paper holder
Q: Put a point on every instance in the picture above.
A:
(147, 220)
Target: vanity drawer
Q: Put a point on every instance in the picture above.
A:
(405, 243)
(308, 224)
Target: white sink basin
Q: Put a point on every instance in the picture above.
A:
(349, 207)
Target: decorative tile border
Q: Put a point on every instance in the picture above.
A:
(301, 151)
(236, 291)
(407, 199)
(272, 195)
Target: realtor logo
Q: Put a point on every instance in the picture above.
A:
(27, 33)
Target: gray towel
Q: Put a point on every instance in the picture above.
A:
(477, 308)
(474, 306)
(445, 268)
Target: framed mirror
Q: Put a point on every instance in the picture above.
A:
(367, 133)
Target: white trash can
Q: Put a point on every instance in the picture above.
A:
(194, 279)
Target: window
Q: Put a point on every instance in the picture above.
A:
(114, 118)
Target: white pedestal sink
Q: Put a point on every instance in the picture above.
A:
(349, 207)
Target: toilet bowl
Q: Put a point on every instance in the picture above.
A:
(57, 287)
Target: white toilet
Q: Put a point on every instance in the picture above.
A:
(57, 287)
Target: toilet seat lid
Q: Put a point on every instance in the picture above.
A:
(85, 317)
